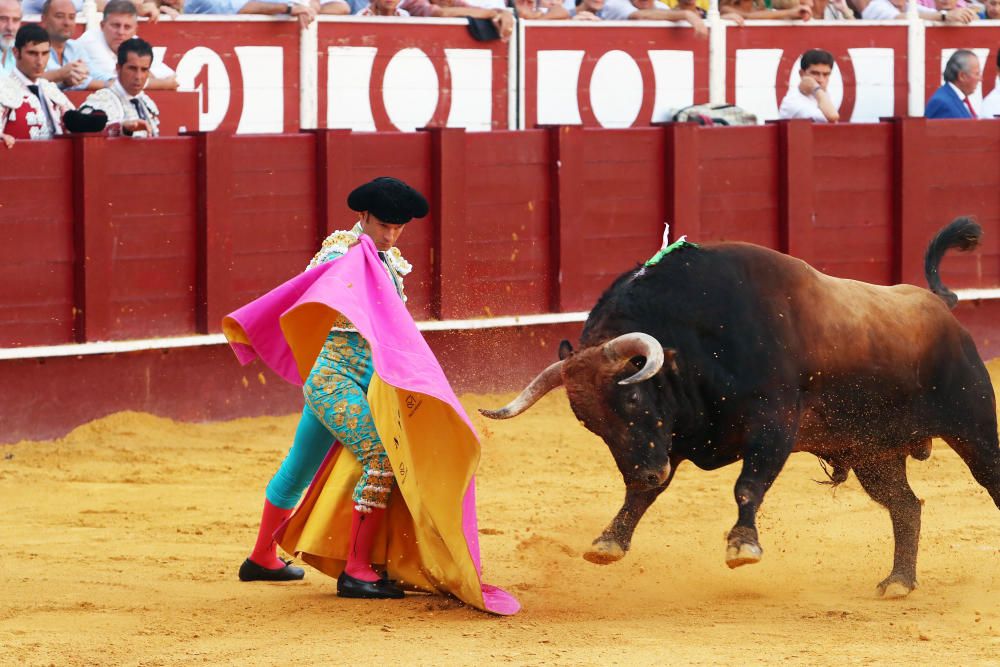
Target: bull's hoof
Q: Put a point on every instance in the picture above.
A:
(922, 451)
(603, 552)
(743, 554)
(895, 587)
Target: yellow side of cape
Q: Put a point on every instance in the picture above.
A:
(433, 454)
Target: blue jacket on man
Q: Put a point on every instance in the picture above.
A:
(945, 103)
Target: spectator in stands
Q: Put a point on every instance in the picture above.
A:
(882, 10)
(30, 107)
(501, 18)
(972, 4)
(832, 10)
(648, 10)
(67, 65)
(170, 8)
(334, 7)
(129, 109)
(991, 10)
(962, 76)
(587, 10)
(697, 6)
(383, 8)
(991, 103)
(305, 12)
(101, 47)
(755, 10)
(810, 99)
(147, 8)
(10, 21)
(970, 14)
(540, 9)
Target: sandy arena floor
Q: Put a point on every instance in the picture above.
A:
(121, 544)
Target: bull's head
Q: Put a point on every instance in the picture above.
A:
(616, 392)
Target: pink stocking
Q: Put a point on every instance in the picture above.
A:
(265, 551)
(364, 528)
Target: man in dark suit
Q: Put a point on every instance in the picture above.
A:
(962, 75)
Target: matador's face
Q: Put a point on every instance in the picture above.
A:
(382, 234)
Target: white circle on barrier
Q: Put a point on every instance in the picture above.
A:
(616, 90)
(835, 89)
(212, 85)
(410, 89)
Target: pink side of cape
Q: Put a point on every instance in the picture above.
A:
(401, 356)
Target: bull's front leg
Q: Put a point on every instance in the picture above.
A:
(764, 457)
(616, 539)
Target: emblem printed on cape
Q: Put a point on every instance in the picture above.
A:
(413, 404)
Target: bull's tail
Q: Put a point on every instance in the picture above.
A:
(962, 233)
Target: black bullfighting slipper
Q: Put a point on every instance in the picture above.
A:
(349, 587)
(251, 571)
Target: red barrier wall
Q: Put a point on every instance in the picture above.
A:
(246, 70)
(403, 74)
(616, 74)
(522, 222)
(162, 237)
(36, 244)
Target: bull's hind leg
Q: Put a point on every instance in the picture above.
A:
(982, 455)
(617, 537)
(885, 481)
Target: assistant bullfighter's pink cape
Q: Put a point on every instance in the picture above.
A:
(430, 539)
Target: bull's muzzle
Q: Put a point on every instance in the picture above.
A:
(649, 478)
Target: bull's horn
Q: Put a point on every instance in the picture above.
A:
(636, 345)
(546, 381)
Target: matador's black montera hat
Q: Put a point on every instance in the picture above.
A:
(388, 199)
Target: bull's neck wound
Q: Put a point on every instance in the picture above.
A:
(682, 242)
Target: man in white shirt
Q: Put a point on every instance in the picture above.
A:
(67, 65)
(129, 109)
(303, 10)
(650, 10)
(101, 47)
(810, 99)
(887, 10)
(10, 21)
(991, 103)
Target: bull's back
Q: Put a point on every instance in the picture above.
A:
(836, 325)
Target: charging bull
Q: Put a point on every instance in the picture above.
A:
(730, 351)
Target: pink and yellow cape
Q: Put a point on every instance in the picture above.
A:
(430, 539)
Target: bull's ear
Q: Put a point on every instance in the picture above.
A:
(565, 349)
(670, 360)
